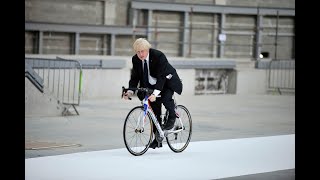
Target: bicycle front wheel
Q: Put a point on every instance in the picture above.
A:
(137, 131)
(179, 141)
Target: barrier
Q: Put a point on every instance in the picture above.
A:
(61, 77)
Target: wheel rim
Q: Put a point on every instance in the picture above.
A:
(137, 140)
(179, 141)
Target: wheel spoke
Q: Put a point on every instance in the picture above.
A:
(136, 139)
(179, 141)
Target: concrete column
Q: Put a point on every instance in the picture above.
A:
(134, 18)
(149, 29)
(105, 44)
(105, 12)
(221, 31)
(76, 43)
(185, 34)
(112, 44)
(109, 12)
(40, 45)
(134, 22)
(294, 40)
(257, 46)
(214, 35)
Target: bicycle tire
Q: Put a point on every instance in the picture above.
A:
(137, 140)
(178, 142)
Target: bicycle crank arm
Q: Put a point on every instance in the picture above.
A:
(167, 132)
(160, 137)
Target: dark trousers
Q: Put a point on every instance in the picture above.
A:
(167, 101)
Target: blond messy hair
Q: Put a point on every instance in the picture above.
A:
(141, 44)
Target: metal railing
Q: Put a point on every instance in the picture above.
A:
(281, 75)
(34, 78)
(61, 77)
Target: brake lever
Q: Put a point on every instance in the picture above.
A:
(122, 92)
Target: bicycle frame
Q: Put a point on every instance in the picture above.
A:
(147, 109)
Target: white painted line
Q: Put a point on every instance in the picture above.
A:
(52, 146)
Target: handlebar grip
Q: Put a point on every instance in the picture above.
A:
(146, 90)
(123, 91)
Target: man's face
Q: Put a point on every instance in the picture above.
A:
(142, 54)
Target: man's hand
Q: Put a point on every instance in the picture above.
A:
(127, 95)
(152, 97)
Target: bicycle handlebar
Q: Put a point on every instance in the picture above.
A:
(146, 90)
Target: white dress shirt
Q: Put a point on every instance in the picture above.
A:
(151, 79)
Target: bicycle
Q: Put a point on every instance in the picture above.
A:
(138, 126)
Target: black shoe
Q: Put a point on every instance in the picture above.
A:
(154, 144)
(169, 125)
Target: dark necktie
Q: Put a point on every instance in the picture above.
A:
(145, 73)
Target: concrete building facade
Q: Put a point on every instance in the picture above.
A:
(217, 46)
(184, 28)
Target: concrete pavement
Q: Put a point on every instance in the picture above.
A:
(215, 117)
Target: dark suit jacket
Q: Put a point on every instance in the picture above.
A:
(159, 68)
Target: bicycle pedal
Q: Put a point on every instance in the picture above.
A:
(159, 139)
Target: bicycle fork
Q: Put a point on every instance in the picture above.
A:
(154, 119)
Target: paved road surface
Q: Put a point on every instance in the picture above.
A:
(215, 117)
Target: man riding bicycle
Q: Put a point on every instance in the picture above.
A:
(151, 69)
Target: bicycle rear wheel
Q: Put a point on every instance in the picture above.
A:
(137, 132)
(179, 141)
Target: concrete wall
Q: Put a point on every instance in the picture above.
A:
(40, 104)
(251, 81)
(103, 83)
(98, 83)
(107, 82)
